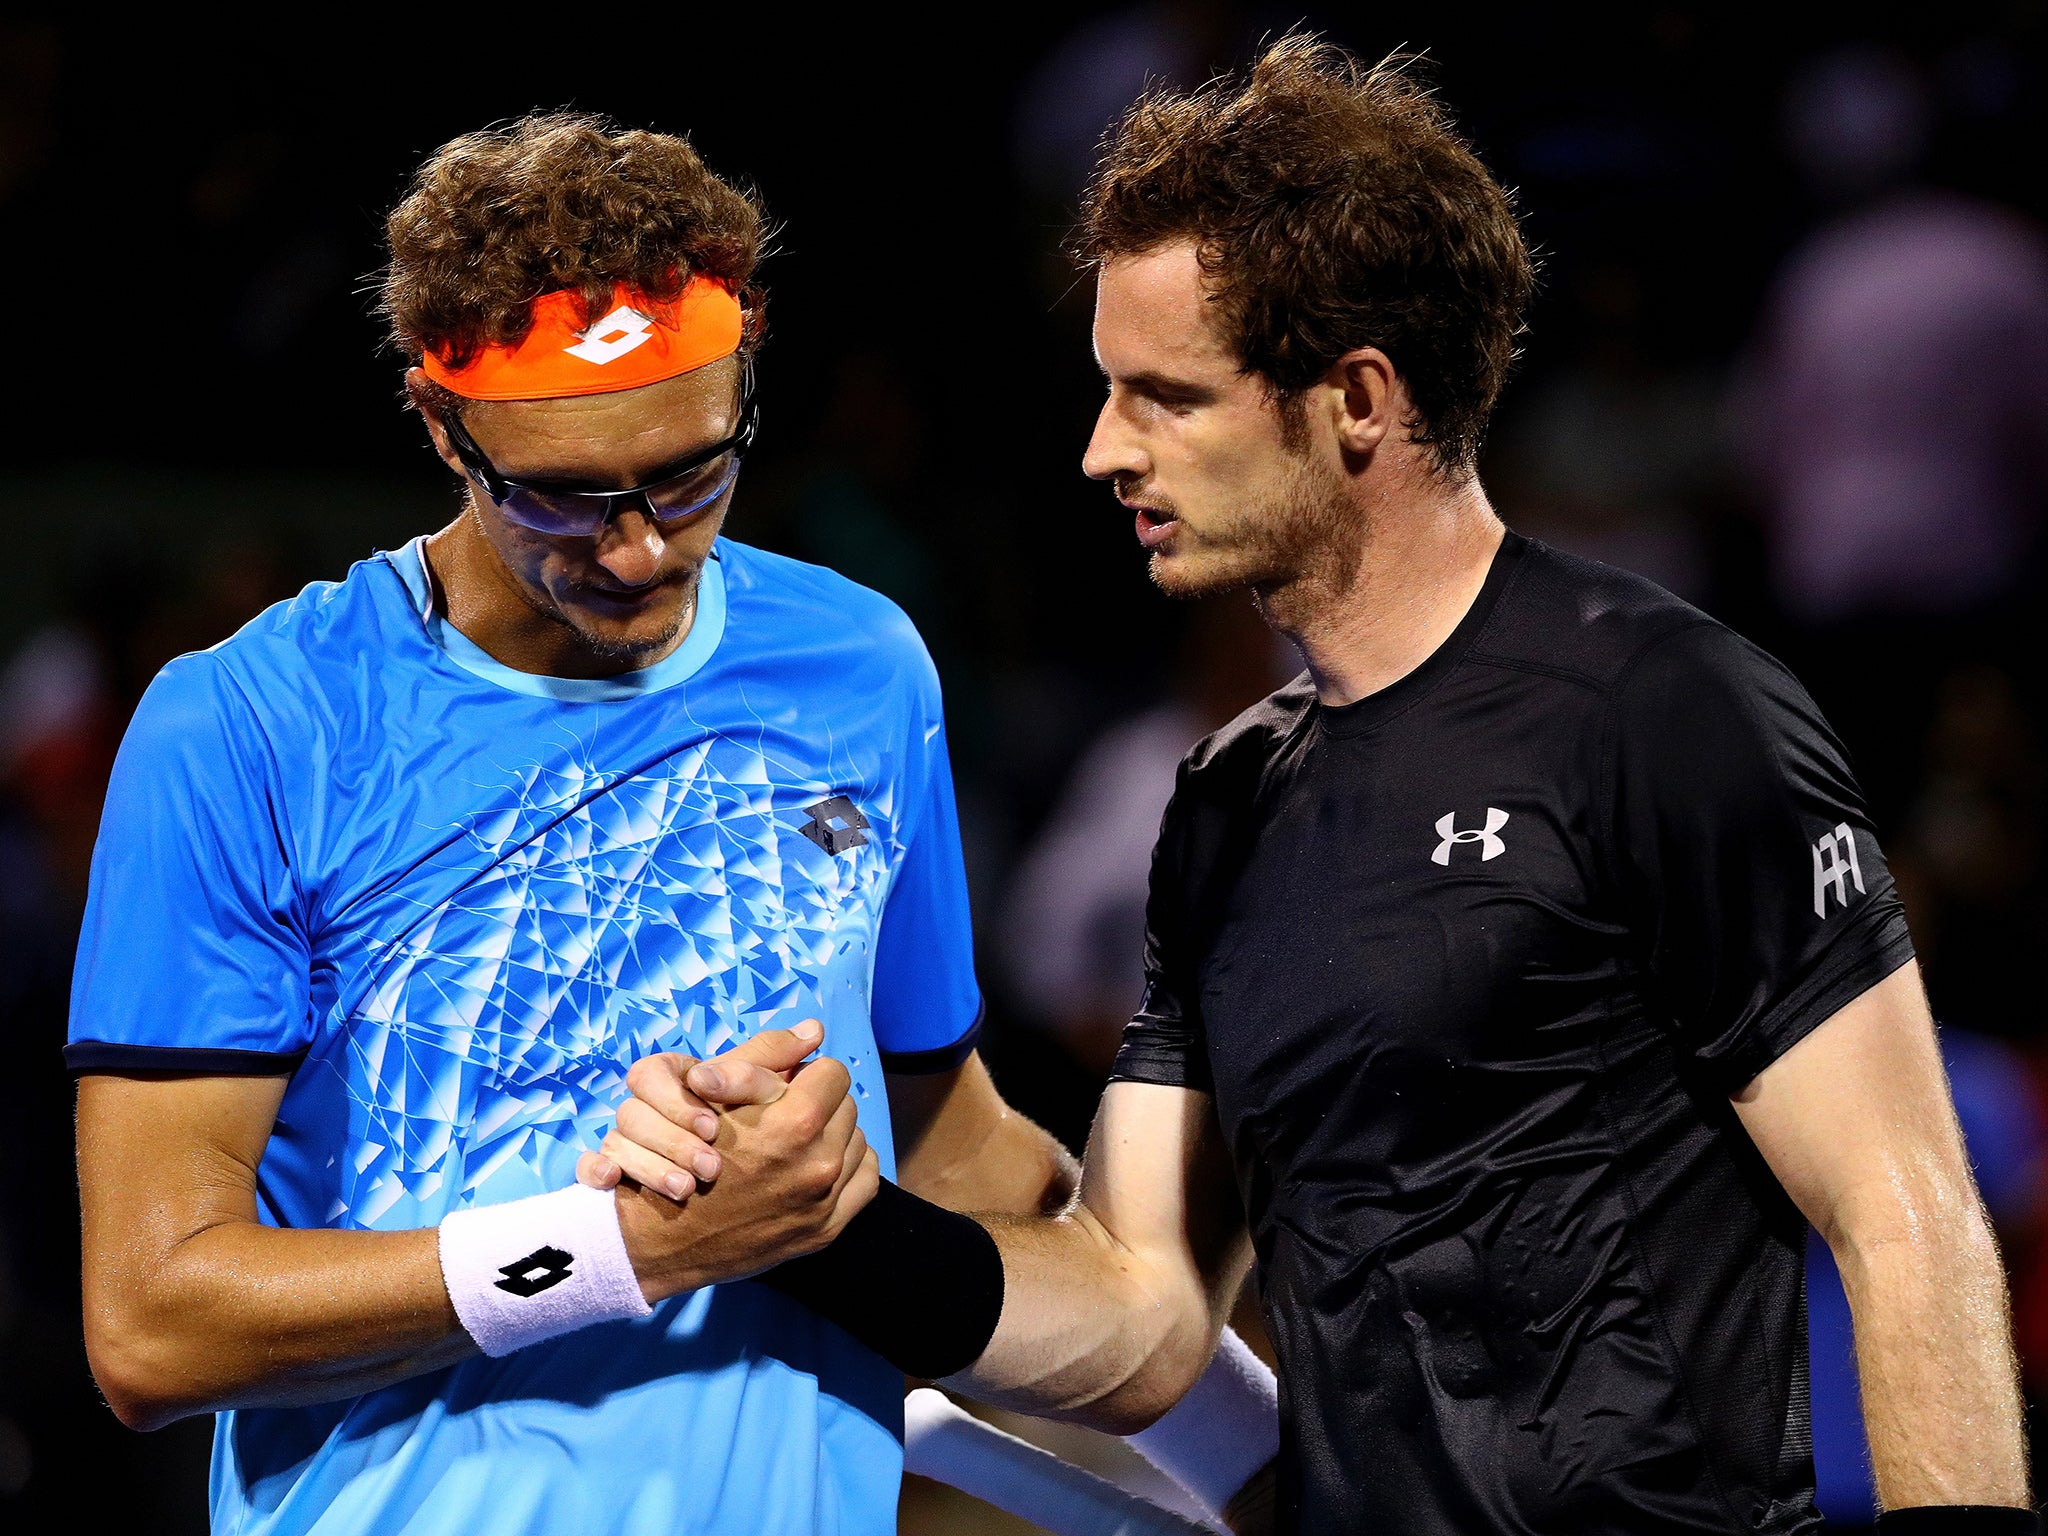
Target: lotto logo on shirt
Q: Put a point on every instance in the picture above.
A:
(1835, 869)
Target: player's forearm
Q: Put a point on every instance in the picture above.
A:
(243, 1315)
(1941, 1400)
(1091, 1332)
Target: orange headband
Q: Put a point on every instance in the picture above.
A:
(638, 341)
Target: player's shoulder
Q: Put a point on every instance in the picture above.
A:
(1598, 627)
(271, 668)
(321, 626)
(1229, 762)
(813, 611)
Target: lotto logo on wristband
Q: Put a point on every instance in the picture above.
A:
(575, 1270)
(540, 1270)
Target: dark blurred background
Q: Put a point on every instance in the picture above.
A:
(1790, 359)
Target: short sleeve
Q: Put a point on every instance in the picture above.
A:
(192, 957)
(1751, 864)
(926, 1002)
(1164, 1043)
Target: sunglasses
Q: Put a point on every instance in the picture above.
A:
(680, 490)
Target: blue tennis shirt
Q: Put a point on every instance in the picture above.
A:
(455, 902)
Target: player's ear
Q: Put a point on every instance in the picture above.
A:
(1368, 397)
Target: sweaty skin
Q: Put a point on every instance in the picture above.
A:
(192, 1305)
(1857, 1123)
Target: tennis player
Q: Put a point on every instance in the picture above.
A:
(402, 887)
(1521, 979)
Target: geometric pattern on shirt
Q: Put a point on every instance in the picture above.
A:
(608, 922)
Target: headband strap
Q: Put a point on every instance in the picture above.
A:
(638, 341)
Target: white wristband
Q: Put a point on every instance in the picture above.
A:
(529, 1269)
(943, 1441)
(1224, 1430)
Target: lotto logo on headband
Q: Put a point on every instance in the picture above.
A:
(613, 337)
(639, 341)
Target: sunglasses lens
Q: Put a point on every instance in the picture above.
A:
(678, 498)
(576, 515)
(562, 514)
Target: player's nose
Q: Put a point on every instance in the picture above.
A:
(1110, 450)
(629, 547)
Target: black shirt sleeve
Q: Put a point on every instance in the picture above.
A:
(1751, 866)
(1164, 1042)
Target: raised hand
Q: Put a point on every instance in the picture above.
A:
(664, 1136)
(794, 1168)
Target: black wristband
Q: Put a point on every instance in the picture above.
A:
(919, 1285)
(1959, 1520)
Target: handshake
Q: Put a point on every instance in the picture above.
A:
(729, 1167)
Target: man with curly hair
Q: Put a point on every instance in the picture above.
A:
(400, 889)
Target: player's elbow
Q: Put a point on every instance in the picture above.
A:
(1127, 1411)
(135, 1361)
(1157, 1380)
(137, 1394)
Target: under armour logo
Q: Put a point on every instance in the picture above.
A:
(1834, 866)
(1488, 837)
(836, 825)
(612, 337)
(538, 1271)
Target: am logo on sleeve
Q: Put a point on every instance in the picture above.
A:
(1835, 869)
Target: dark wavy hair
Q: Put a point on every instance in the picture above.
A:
(558, 200)
(1332, 206)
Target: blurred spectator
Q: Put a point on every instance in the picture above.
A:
(1896, 419)
(59, 726)
(1074, 919)
(1857, 122)
(1901, 424)
(2002, 1123)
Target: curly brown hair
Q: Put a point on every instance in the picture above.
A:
(559, 200)
(1333, 206)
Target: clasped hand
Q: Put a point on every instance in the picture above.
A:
(725, 1168)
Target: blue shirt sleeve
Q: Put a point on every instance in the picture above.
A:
(926, 1003)
(192, 956)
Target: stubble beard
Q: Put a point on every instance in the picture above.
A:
(635, 651)
(1303, 545)
(629, 653)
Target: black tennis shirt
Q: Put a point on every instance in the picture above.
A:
(1472, 967)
